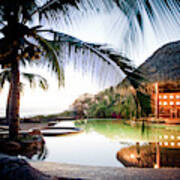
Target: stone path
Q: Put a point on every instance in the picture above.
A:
(104, 173)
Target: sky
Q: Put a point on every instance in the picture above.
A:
(105, 28)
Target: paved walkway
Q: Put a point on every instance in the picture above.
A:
(104, 173)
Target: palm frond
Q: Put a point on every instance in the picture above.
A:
(35, 79)
(50, 50)
(106, 54)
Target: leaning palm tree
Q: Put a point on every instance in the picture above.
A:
(22, 42)
(34, 80)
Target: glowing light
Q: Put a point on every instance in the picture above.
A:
(166, 143)
(172, 143)
(165, 136)
(171, 97)
(178, 103)
(172, 137)
(171, 103)
(160, 137)
(165, 97)
(165, 103)
(156, 166)
(177, 96)
(132, 156)
(178, 137)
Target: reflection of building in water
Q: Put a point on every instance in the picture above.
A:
(165, 153)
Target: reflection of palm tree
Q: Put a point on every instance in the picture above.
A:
(28, 43)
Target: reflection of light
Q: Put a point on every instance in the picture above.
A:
(165, 136)
(132, 156)
(166, 143)
(172, 137)
(156, 166)
(172, 143)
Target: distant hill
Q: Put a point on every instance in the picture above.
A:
(163, 66)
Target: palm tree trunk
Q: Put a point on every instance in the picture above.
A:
(14, 101)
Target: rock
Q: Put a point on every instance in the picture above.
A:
(13, 168)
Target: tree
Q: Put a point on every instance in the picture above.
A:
(22, 43)
(33, 79)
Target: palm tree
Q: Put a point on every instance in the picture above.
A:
(33, 79)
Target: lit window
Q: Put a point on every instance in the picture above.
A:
(171, 103)
(132, 156)
(171, 97)
(165, 136)
(177, 96)
(160, 143)
(160, 97)
(160, 103)
(178, 103)
(165, 103)
(172, 143)
(160, 137)
(178, 137)
(165, 97)
(166, 143)
(172, 137)
(178, 143)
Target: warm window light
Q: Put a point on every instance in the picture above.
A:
(156, 166)
(160, 103)
(172, 137)
(178, 103)
(165, 97)
(160, 143)
(165, 103)
(172, 143)
(165, 136)
(160, 137)
(178, 143)
(171, 103)
(178, 137)
(166, 143)
(160, 97)
(177, 96)
(171, 96)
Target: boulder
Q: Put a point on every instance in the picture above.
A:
(14, 168)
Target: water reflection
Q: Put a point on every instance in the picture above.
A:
(150, 145)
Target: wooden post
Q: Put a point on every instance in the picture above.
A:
(157, 155)
(157, 100)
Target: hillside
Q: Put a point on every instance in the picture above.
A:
(163, 66)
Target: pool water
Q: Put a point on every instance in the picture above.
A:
(116, 143)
